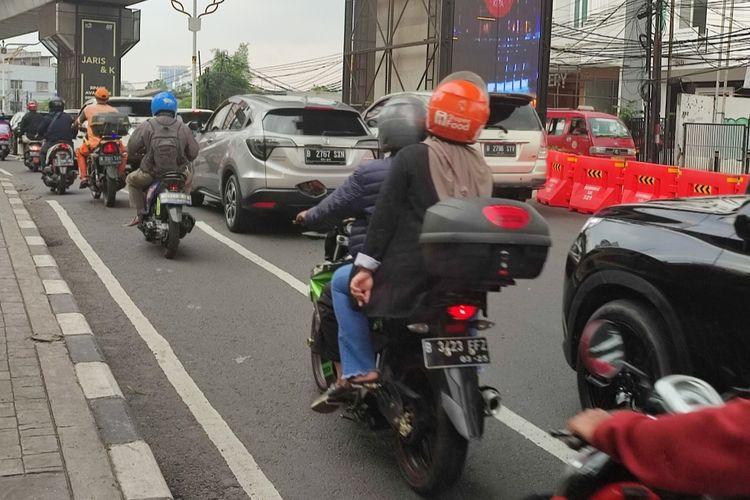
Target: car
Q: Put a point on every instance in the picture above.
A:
(198, 116)
(513, 142)
(673, 277)
(263, 154)
(586, 132)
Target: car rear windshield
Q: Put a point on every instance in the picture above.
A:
(512, 115)
(132, 108)
(325, 122)
(608, 127)
(197, 116)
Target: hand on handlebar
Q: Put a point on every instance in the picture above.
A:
(585, 423)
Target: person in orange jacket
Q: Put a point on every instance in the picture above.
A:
(92, 141)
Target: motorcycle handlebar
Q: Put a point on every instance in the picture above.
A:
(572, 441)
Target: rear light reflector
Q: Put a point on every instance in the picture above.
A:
(264, 204)
(457, 328)
(507, 216)
(462, 312)
(110, 148)
(173, 187)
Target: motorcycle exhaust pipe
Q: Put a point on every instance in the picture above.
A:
(492, 401)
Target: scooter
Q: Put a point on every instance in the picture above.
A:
(32, 156)
(59, 171)
(5, 141)
(165, 221)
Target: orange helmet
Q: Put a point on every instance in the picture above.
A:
(102, 94)
(32, 106)
(459, 108)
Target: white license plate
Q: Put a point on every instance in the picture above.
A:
(68, 162)
(174, 198)
(110, 160)
(455, 352)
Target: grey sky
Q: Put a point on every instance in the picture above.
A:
(277, 31)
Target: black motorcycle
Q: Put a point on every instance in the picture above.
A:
(59, 171)
(429, 394)
(32, 155)
(165, 221)
(103, 165)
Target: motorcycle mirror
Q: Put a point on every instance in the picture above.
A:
(602, 349)
(194, 126)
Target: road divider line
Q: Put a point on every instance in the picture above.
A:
(240, 461)
(5, 172)
(512, 420)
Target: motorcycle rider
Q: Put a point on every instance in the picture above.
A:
(701, 453)
(391, 279)
(166, 145)
(401, 123)
(57, 127)
(30, 124)
(92, 141)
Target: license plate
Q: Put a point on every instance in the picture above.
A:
(174, 198)
(110, 159)
(65, 162)
(325, 156)
(4, 142)
(499, 149)
(455, 352)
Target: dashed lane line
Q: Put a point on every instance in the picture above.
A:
(5, 172)
(514, 421)
(240, 461)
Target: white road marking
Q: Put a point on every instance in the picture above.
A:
(522, 426)
(240, 461)
(5, 172)
(97, 380)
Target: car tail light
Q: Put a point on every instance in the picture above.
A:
(264, 204)
(373, 146)
(462, 312)
(110, 148)
(262, 147)
(507, 216)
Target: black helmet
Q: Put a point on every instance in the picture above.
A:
(56, 105)
(402, 122)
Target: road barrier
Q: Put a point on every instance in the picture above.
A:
(646, 181)
(559, 185)
(597, 184)
(698, 183)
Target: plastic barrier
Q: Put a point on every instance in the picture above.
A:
(743, 184)
(647, 181)
(559, 185)
(699, 183)
(597, 184)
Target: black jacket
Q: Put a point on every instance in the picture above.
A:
(57, 127)
(31, 123)
(355, 198)
(401, 281)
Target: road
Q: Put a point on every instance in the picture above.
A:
(216, 369)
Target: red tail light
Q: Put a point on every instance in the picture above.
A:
(63, 147)
(35, 147)
(507, 216)
(462, 312)
(173, 187)
(110, 148)
(264, 204)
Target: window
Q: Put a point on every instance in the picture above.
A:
(692, 14)
(238, 117)
(581, 14)
(512, 114)
(578, 126)
(219, 118)
(16, 84)
(132, 107)
(42, 86)
(556, 126)
(608, 127)
(332, 123)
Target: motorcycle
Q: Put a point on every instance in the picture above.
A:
(593, 474)
(32, 156)
(428, 395)
(59, 171)
(165, 221)
(5, 141)
(103, 163)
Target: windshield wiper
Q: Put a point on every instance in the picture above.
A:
(496, 126)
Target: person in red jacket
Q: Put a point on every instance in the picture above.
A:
(702, 453)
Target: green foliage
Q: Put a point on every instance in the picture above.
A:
(228, 75)
(629, 110)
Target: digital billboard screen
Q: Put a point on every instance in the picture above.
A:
(499, 40)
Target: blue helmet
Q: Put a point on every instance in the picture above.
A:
(164, 101)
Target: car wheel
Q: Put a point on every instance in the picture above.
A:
(645, 339)
(196, 199)
(235, 217)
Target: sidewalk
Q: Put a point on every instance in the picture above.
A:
(64, 427)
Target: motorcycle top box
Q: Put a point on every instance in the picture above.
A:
(110, 124)
(485, 242)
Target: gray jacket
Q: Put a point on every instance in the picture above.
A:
(141, 139)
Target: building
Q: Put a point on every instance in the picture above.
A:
(175, 76)
(26, 76)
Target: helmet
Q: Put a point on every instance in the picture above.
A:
(32, 106)
(459, 108)
(164, 101)
(56, 105)
(102, 94)
(402, 123)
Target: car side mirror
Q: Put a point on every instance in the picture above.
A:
(194, 126)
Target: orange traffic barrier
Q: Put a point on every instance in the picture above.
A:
(743, 184)
(647, 181)
(559, 185)
(597, 184)
(699, 183)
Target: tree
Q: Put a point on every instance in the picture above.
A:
(228, 75)
(157, 84)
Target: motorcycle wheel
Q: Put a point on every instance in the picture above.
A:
(111, 189)
(434, 459)
(172, 241)
(324, 371)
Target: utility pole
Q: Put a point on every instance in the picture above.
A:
(726, 71)
(647, 89)
(669, 121)
(718, 66)
(656, 79)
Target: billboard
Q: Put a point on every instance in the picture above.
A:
(499, 40)
(99, 63)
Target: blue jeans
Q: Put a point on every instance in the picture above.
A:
(355, 344)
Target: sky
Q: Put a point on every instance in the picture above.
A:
(277, 32)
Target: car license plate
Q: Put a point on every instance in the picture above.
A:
(325, 156)
(174, 198)
(110, 159)
(499, 149)
(455, 352)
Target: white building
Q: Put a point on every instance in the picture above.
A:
(175, 76)
(24, 77)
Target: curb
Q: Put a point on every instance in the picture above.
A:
(132, 460)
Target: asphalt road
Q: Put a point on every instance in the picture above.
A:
(239, 331)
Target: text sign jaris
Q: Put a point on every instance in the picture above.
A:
(98, 56)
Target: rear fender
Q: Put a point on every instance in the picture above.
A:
(461, 399)
(175, 213)
(113, 172)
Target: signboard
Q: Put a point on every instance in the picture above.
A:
(98, 64)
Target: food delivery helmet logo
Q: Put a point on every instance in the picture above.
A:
(447, 120)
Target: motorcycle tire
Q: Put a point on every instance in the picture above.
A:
(324, 371)
(172, 241)
(110, 187)
(432, 462)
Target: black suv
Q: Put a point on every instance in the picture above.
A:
(674, 277)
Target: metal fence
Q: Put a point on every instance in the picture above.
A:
(716, 147)
(637, 128)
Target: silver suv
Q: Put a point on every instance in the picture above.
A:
(261, 154)
(513, 142)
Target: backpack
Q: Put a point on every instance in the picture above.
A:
(164, 151)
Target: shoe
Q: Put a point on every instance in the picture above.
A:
(134, 221)
(84, 184)
(340, 393)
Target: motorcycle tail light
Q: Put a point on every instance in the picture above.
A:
(110, 148)
(507, 216)
(173, 187)
(35, 148)
(462, 312)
